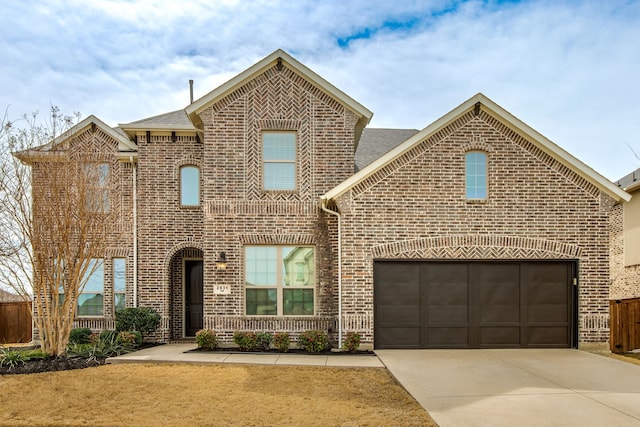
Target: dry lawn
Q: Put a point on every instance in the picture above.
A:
(220, 395)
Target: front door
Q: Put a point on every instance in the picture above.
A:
(192, 297)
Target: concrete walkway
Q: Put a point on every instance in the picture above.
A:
(179, 353)
(519, 387)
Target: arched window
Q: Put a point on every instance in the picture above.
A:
(476, 175)
(189, 186)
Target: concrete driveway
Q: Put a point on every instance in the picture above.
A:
(519, 387)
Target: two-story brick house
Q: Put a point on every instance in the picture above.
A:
(267, 205)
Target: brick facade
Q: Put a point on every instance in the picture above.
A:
(415, 208)
(625, 280)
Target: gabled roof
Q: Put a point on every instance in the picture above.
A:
(124, 143)
(364, 115)
(376, 142)
(505, 117)
(173, 121)
(630, 182)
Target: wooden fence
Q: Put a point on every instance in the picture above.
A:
(624, 325)
(15, 322)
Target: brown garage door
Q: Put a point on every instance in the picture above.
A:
(473, 304)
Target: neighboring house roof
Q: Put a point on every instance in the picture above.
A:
(376, 142)
(630, 182)
(364, 115)
(10, 297)
(173, 121)
(124, 143)
(508, 119)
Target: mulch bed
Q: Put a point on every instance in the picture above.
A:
(52, 364)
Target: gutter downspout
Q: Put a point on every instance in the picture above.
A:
(135, 231)
(323, 206)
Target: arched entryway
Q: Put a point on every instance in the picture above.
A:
(186, 290)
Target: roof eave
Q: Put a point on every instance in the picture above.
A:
(271, 60)
(508, 119)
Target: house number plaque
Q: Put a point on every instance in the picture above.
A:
(222, 289)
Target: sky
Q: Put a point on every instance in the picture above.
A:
(569, 69)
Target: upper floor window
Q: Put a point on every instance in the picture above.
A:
(476, 175)
(279, 161)
(189, 186)
(97, 187)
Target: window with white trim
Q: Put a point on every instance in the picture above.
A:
(476, 175)
(279, 280)
(278, 161)
(119, 283)
(189, 186)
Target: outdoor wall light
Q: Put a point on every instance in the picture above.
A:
(221, 262)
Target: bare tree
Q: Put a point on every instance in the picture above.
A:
(55, 221)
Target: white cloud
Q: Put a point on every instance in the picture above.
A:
(568, 69)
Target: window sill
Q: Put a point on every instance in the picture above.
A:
(476, 201)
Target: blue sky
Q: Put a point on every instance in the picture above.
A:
(569, 69)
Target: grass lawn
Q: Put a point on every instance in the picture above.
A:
(221, 395)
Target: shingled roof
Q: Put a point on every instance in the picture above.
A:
(630, 181)
(376, 142)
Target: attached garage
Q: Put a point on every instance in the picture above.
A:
(474, 304)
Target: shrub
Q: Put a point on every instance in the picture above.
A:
(206, 339)
(107, 335)
(263, 341)
(80, 336)
(141, 319)
(282, 341)
(12, 358)
(130, 339)
(246, 341)
(351, 342)
(313, 341)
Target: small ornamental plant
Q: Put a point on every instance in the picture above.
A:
(206, 339)
(246, 341)
(282, 341)
(263, 341)
(313, 341)
(130, 339)
(351, 342)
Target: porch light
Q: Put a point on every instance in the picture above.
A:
(221, 262)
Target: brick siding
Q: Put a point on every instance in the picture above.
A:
(415, 208)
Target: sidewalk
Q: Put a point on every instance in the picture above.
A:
(179, 353)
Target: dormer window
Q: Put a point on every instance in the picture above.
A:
(279, 161)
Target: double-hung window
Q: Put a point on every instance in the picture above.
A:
(280, 280)
(91, 300)
(279, 161)
(476, 175)
(119, 283)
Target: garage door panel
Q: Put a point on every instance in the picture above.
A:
(499, 336)
(399, 315)
(548, 313)
(499, 313)
(400, 294)
(447, 337)
(447, 314)
(398, 337)
(547, 336)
